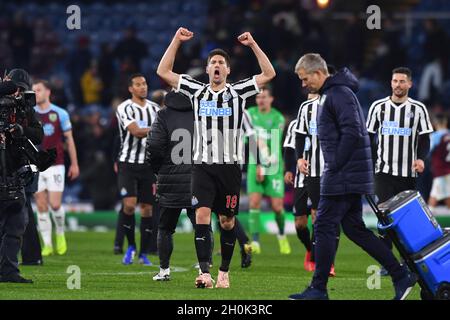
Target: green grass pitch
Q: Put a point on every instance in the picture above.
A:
(271, 276)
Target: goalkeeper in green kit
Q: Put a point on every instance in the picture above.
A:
(267, 179)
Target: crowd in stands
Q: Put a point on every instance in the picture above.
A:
(88, 68)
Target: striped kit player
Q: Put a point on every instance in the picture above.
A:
(300, 208)
(136, 180)
(218, 143)
(399, 129)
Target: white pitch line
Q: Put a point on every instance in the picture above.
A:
(174, 269)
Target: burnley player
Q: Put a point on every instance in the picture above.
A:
(440, 162)
(57, 128)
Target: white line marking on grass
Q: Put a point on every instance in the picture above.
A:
(172, 269)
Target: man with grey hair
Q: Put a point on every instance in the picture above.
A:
(347, 175)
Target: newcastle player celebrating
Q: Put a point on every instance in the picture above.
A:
(218, 144)
(399, 128)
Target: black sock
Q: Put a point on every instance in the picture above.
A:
(304, 236)
(313, 245)
(203, 246)
(120, 234)
(146, 234)
(129, 224)
(227, 241)
(211, 236)
(165, 247)
(240, 234)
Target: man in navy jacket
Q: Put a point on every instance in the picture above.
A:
(347, 175)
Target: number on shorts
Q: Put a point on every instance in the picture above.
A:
(57, 178)
(276, 184)
(231, 202)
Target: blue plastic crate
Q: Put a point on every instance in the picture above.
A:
(411, 220)
(433, 263)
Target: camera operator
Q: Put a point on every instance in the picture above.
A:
(18, 126)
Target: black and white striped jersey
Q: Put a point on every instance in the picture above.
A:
(247, 125)
(398, 128)
(132, 149)
(307, 125)
(218, 117)
(289, 142)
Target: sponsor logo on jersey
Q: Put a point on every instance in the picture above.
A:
(142, 124)
(313, 128)
(392, 128)
(209, 109)
(49, 129)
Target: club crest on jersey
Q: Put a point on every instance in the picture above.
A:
(226, 97)
(52, 117)
(209, 109)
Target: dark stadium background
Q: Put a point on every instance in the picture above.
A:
(88, 68)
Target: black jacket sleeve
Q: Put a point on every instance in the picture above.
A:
(299, 145)
(157, 143)
(373, 147)
(33, 129)
(423, 147)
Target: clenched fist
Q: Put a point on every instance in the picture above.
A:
(184, 34)
(246, 39)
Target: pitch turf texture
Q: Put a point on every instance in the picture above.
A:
(271, 275)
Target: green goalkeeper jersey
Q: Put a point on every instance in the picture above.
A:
(269, 128)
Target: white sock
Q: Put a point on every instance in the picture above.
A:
(45, 227)
(59, 217)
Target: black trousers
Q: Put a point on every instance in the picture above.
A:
(167, 225)
(153, 248)
(13, 221)
(346, 210)
(31, 246)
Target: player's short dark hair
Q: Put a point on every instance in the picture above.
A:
(403, 70)
(219, 52)
(133, 76)
(267, 88)
(45, 83)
